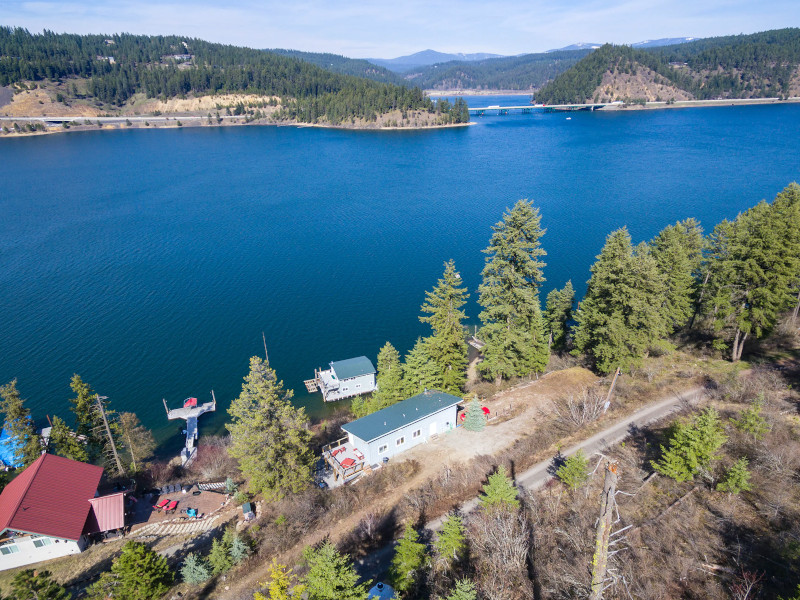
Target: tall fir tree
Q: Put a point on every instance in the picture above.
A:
(692, 448)
(448, 346)
(138, 441)
(786, 209)
(620, 317)
(89, 423)
(140, 574)
(64, 442)
(499, 493)
(331, 575)
(451, 542)
(19, 424)
(390, 384)
(513, 325)
(420, 371)
(474, 419)
(677, 250)
(405, 572)
(557, 314)
(269, 436)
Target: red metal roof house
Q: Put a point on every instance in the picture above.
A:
(46, 511)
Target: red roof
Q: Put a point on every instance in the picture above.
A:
(108, 512)
(50, 497)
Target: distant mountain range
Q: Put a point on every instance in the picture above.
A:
(645, 44)
(426, 58)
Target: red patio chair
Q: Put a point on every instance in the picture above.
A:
(161, 504)
(358, 454)
(171, 507)
(348, 462)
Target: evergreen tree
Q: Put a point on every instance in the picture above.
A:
(30, 585)
(239, 550)
(464, 590)
(558, 312)
(140, 573)
(786, 209)
(573, 472)
(451, 543)
(331, 575)
(390, 384)
(420, 371)
(620, 317)
(139, 441)
(269, 436)
(499, 493)
(219, 557)
(474, 419)
(89, 423)
(751, 421)
(737, 479)
(282, 584)
(513, 325)
(677, 250)
(447, 344)
(195, 569)
(692, 447)
(64, 442)
(409, 559)
(19, 424)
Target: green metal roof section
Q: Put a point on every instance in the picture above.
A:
(399, 415)
(353, 367)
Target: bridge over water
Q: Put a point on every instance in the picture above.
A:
(531, 108)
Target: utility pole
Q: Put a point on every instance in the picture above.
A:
(102, 410)
(600, 559)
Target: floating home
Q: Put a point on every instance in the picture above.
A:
(390, 431)
(345, 379)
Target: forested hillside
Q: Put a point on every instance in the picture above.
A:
(335, 63)
(744, 66)
(119, 66)
(527, 72)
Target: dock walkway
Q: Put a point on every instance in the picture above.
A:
(190, 413)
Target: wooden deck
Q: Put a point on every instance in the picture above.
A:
(338, 452)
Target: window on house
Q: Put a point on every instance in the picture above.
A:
(383, 449)
(38, 542)
(9, 549)
(400, 441)
(417, 433)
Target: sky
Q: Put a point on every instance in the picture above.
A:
(382, 29)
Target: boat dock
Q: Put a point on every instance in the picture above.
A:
(190, 412)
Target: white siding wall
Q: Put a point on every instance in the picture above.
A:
(357, 385)
(28, 553)
(374, 452)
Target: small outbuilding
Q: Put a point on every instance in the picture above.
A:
(345, 379)
(408, 423)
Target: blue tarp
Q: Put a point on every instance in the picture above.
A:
(8, 450)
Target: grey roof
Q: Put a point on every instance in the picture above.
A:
(399, 415)
(352, 367)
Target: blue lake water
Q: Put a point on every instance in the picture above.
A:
(150, 261)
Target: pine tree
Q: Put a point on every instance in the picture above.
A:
(19, 424)
(64, 442)
(557, 314)
(331, 575)
(499, 493)
(409, 559)
(281, 585)
(451, 543)
(239, 550)
(195, 569)
(692, 447)
(269, 436)
(30, 585)
(474, 419)
(677, 250)
(84, 407)
(751, 421)
(464, 590)
(140, 573)
(787, 217)
(447, 344)
(138, 440)
(219, 557)
(390, 384)
(420, 372)
(620, 317)
(89, 423)
(737, 479)
(513, 325)
(573, 472)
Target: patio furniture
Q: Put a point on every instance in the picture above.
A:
(348, 462)
(161, 504)
(191, 512)
(171, 507)
(358, 454)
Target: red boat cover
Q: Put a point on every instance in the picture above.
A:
(190, 402)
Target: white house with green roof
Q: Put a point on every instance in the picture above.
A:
(345, 379)
(395, 429)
